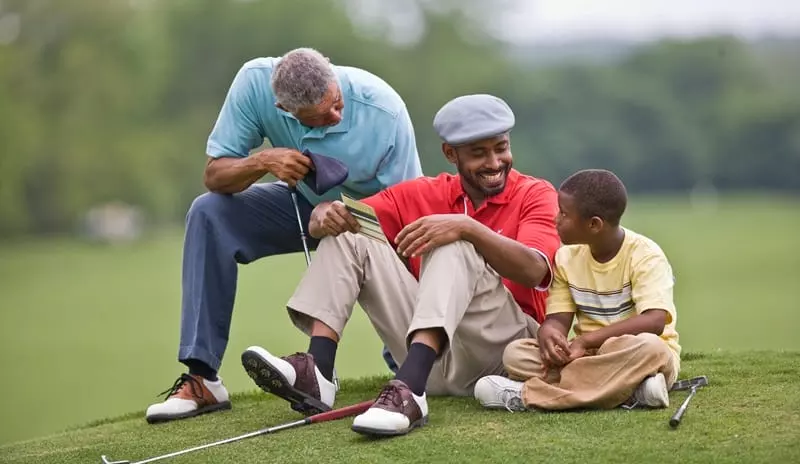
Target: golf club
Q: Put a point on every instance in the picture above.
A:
(692, 385)
(687, 384)
(321, 417)
(680, 385)
(293, 192)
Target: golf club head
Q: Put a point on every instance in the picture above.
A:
(686, 384)
(106, 461)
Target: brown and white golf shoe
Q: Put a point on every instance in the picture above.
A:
(189, 396)
(294, 378)
(397, 411)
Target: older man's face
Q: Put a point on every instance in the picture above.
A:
(327, 113)
(484, 165)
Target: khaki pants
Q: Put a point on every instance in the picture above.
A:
(457, 292)
(603, 380)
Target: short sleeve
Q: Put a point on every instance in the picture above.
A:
(537, 228)
(236, 130)
(652, 283)
(401, 161)
(559, 300)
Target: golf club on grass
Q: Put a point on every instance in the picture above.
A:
(321, 417)
(692, 385)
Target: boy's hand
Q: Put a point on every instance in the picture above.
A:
(553, 346)
(577, 349)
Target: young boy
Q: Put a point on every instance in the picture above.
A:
(617, 284)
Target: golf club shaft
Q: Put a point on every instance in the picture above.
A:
(229, 440)
(293, 192)
(675, 420)
(316, 418)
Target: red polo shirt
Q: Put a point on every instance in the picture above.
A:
(525, 211)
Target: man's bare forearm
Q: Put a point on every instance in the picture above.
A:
(232, 175)
(509, 258)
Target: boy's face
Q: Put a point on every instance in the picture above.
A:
(572, 228)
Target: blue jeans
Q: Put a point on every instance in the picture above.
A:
(221, 232)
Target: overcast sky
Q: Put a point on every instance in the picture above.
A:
(555, 20)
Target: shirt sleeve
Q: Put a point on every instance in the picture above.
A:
(236, 130)
(652, 283)
(537, 228)
(401, 161)
(559, 300)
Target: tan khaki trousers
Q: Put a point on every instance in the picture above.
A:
(457, 292)
(603, 380)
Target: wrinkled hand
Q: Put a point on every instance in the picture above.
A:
(577, 349)
(332, 219)
(430, 232)
(553, 346)
(288, 165)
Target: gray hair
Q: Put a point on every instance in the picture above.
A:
(301, 78)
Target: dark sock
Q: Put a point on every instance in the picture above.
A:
(324, 351)
(197, 367)
(417, 367)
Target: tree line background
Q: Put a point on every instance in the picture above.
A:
(111, 100)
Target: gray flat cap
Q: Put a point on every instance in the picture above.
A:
(469, 118)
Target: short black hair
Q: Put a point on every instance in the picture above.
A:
(597, 192)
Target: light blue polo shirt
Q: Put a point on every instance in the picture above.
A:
(375, 138)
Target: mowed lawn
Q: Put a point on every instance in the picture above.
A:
(90, 332)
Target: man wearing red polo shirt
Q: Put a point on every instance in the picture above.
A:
(466, 274)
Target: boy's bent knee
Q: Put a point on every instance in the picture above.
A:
(521, 358)
(652, 342)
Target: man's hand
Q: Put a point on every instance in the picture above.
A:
(287, 164)
(430, 232)
(331, 218)
(553, 346)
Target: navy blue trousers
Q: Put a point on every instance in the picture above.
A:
(221, 232)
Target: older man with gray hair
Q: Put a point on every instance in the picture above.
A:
(303, 106)
(467, 272)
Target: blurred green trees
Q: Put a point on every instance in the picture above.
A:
(113, 100)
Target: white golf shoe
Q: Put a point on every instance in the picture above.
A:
(294, 378)
(189, 396)
(498, 392)
(652, 392)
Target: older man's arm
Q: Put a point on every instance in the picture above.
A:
(233, 174)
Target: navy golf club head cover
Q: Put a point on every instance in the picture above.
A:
(327, 173)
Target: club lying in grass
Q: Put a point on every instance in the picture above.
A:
(692, 385)
(321, 417)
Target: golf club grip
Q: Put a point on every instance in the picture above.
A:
(341, 412)
(675, 420)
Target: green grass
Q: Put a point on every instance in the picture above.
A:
(749, 413)
(89, 332)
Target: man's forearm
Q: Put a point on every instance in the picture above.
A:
(650, 321)
(232, 175)
(511, 259)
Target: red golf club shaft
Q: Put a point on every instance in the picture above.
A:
(340, 413)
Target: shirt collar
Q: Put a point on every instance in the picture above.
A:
(457, 193)
(347, 111)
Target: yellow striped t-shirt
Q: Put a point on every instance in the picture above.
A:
(638, 278)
